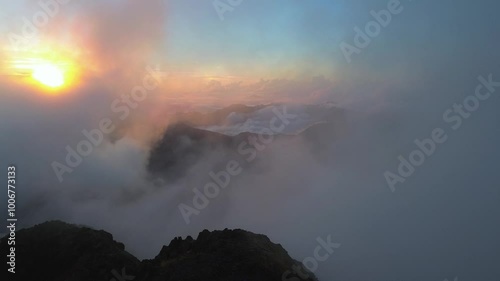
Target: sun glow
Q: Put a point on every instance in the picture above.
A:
(49, 75)
(49, 69)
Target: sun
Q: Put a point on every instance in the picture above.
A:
(50, 71)
(49, 75)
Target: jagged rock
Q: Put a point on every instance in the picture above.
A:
(230, 255)
(58, 251)
(183, 144)
(180, 147)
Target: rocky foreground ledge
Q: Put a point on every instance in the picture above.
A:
(57, 251)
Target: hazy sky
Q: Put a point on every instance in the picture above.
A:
(268, 40)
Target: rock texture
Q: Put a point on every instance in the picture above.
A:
(58, 251)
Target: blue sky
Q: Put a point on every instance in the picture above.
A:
(277, 39)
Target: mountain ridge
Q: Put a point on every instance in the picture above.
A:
(59, 251)
(184, 143)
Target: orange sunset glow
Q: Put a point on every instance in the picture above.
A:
(46, 71)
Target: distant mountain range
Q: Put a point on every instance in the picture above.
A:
(236, 119)
(192, 134)
(58, 251)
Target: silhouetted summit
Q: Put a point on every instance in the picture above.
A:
(221, 255)
(58, 251)
(181, 147)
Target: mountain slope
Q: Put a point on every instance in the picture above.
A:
(232, 255)
(183, 144)
(58, 251)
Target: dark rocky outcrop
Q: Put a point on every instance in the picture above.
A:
(232, 255)
(59, 251)
(181, 147)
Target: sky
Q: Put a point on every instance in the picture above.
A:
(296, 40)
(442, 222)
